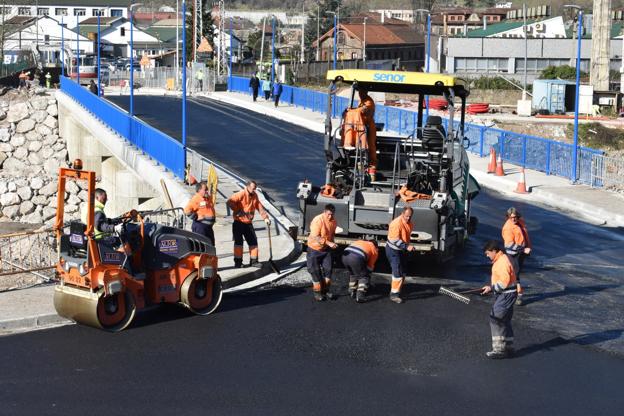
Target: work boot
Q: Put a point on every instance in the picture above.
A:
(360, 296)
(496, 354)
(255, 263)
(394, 297)
(352, 292)
(519, 301)
(238, 263)
(330, 296)
(318, 296)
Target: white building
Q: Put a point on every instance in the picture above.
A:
(405, 15)
(115, 36)
(71, 11)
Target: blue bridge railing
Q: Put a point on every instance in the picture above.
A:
(163, 148)
(537, 153)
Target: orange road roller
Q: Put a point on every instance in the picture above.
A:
(105, 278)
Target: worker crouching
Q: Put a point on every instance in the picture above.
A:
(319, 256)
(503, 284)
(359, 259)
(398, 245)
(201, 210)
(244, 205)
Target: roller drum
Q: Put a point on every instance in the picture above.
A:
(201, 296)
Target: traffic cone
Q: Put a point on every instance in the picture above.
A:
(522, 188)
(499, 166)
(492, 165)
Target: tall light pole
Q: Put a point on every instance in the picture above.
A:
(579, 36)
(184, 79)
(318, 30)
(428, 51)
(98, 58)
(132, 6)
(62, 47)
(78, 52)
(526, 49)
(364, 44)
(335, 36)
(177, 55)
(272, 66)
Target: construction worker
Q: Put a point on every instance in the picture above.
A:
(319, 256)
(243, 205)
(359, 259)
(48, 79)
(367, 107)
(23, 77)
(517, 244)
(201, 210)
(503, 284)
(101, 226)
(398, 245)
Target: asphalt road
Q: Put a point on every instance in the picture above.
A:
(275, 351)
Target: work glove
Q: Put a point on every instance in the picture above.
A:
(119, 228)
(267, 221)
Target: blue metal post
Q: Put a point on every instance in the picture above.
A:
(184, 80)
(132, 62)
(231, 52)
(78, 51)
(428, 56)
(579, 36)
(481, 140)
(272, 51)
(335, 40)
(98, 58)
(62, 48)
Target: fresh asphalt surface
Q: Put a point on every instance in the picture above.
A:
(275, 351)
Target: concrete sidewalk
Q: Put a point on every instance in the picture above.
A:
(598, 205)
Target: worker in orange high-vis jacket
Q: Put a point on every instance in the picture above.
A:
(244, 205)
(201, 210)
(397, 246)
(367, 106)
(319, 256)
(517, 243)
(503, 284)
(359, 259)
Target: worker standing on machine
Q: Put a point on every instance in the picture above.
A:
(399, 236)
(359, 259)
(101, 226)
(319, 256)
(243, 205)
(503, 284)
(517, 244)
(201, 210)
(367, 107)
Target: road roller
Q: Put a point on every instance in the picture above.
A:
(104, 281)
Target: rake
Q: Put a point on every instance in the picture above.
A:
(458, 295)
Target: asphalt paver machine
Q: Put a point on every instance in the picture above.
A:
(426, 168)
(105, 280)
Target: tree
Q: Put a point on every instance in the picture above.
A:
(208, 29)
(325, 21)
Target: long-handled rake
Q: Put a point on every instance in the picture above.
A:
(271, 262)
(458, 295)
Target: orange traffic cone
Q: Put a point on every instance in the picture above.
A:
(499, 166)
(492, 165)
(522, 188)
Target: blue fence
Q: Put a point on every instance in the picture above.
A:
(538, 153)
(164, 149)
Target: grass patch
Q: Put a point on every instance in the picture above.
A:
(597, 136)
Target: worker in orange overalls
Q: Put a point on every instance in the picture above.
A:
(517, 243)
(367, 107)
(319, 256)
(201, 210)
(503, 284)
(243, 205)
(359, 259)
(399, 237)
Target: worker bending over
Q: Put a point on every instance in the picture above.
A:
(244, 205)
(319, 256)
(359, 259)
(517, 244)
(201, 210)
(399, 237)
(503, 284)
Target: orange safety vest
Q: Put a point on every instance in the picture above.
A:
(503, 274)
(322, 231)
(203, 207)
(366, 249)
(353, 130)
(244, 205)
(410, 196)
(399, 233)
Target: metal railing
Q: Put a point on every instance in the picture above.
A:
(173, 217)
(27, 259)
(538, 153)
(161, 147)
(607, 172)
(163, 78)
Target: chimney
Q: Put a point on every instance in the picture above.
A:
(383, 17)
(484, 23)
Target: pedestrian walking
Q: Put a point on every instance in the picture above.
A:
(199, 76)
(319, 255)
(254, 84)
(503, 284)
(359, 259)
(277, 92)
(517, 244)
(397, 247)
(201, 210)
(244, 204)
(266, 89)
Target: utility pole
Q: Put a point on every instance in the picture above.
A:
(262, 41)
(526, 48)
(318, 30)
(303, 34)
(601, 34)
(222, 65)
(364, 44)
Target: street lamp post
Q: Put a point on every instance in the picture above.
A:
(184, 80)
(62, 47)
(132, 6)
(335, 36)
(78, 52)
(318, 30)
(428, 52)
(364, 44)
(272, 66)
(98, 57)
(574, 175)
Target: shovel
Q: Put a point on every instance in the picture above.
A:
(271, 262)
